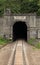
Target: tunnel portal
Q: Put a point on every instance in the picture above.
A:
(20, 31)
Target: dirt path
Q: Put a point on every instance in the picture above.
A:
(33, 54)
(18, 56)
(5, 53)
(30, 54)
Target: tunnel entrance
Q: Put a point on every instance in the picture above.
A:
(19, 31)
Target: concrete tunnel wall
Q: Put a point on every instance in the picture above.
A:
(32, 22)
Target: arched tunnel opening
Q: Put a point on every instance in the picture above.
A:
(19, 31)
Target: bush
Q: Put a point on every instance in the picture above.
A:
(33, 42)
(38, 12)
(3, 41)
(38, 45)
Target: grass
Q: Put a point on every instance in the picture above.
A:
(3, 41)
(36, 45)
(30, 41)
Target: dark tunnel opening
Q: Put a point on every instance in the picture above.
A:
(19, 31)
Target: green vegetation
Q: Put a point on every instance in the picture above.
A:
(38, 45)
(20, 6)
(3, 41)
(35, 44)
(30, 41)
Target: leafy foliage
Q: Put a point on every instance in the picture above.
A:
(38, 12)
(2, 2)
(20, 6)
(29, 6)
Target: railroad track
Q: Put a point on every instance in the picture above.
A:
(18, 56)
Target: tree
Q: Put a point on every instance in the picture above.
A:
(20, 6)
(29, 6)
(2, 2)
